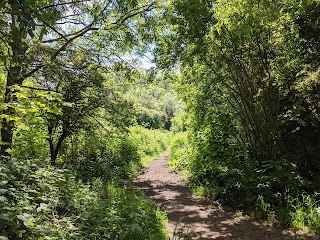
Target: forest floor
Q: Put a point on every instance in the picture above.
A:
(199, 218)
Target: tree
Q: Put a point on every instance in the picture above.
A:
(153, 100)
(249, 79)
(34, 34)
(83, 91)
(248, 47)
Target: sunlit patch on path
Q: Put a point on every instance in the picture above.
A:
(197, 217)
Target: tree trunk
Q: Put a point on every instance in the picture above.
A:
(16, 70)
(6, 135)
(54, 151)
(8, 124)
(54, 155)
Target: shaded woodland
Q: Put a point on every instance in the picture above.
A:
(234, 90)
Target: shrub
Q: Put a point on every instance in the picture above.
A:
(150, 142)
(121, 214)
(39, 202)
(29, 199)
(99, 156)
(179, 152)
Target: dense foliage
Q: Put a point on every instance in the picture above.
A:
(150, 142)
(86, 199)
(52, 42)
(250, 84)
(69, 142)
(79, 118)
(154, 101)
(39, 202)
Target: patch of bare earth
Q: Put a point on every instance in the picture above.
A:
(196, 216)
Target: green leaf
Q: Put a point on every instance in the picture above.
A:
(43, 207)
(3, 199)
(2, 59)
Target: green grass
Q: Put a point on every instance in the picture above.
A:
(150, 143)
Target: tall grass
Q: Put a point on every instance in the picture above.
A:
(150, 143)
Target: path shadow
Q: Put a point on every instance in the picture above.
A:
(205, 220)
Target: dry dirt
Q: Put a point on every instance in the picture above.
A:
(199, 218)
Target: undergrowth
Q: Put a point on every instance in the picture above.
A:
(84, 196)
(150, 143)
(269, 197)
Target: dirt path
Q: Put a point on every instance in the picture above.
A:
(189, 214)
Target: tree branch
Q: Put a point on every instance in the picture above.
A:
(71, 34)
(132, 13)
(61, 4)
(40, 89)
(64, 46)
(88, 28)
(56, 31)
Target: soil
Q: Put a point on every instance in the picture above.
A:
(192, 217)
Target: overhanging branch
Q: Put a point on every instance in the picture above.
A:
(61, 4)
(90, 27)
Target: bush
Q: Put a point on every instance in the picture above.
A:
(122, 214)
(39, 202)
(178, 159)
(150, 142)
(98, 155)
(29, 199)
(269, 192)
